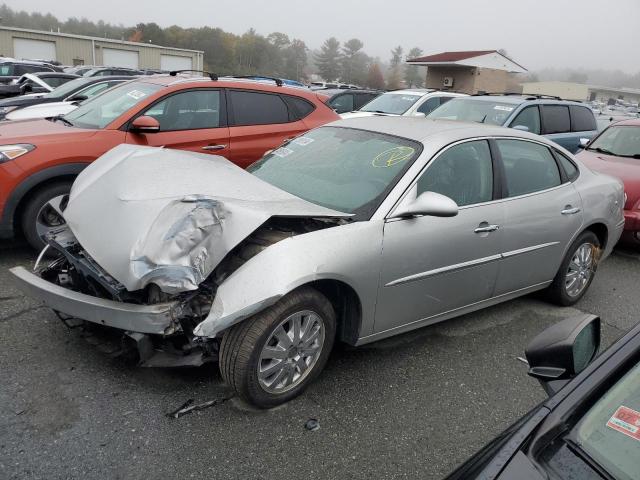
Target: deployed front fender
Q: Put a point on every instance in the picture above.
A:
(348, 253)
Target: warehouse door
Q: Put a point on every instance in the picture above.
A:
(119, 58)
(175, 62)
(28, 49)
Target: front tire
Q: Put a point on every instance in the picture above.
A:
(273, 356)
(576, 271)
(43, 213)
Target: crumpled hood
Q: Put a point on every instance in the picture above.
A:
(154, 215)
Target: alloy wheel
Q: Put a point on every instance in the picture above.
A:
(50, 216)
(580, 270)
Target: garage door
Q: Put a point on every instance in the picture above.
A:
(175, 62)
(27, 49)
(119, 58)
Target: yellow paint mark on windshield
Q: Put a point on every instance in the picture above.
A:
(393, 156)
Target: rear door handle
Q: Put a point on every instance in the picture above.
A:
(486, 228)
(569, 210)
(210, 148)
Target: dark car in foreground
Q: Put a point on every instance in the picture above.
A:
(616, 152)
(75, 90)
(561, 121)
(589, 428)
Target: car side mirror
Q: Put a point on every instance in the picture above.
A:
(420, 114)
(77, 98)
(563, 350)
(522, 128)
(428, 203)
(145, 124)
(584, 142)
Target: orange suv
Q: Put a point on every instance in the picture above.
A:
(237, 118)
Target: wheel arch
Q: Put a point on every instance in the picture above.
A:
(601, 231)
(25, 190)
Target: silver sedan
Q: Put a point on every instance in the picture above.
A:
(355, 231)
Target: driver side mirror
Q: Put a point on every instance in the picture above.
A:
(420, 114)
(145, 124)
(522, 128)
(77, 98)
(563, 350)
(428, 203)
(584, 142)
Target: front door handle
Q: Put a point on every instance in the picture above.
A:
(569, 210)
(486, 228)
(210, 148)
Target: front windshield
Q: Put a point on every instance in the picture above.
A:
(610, 431)
(470, 110)
(100, 111)
(393, 103)
(66, 88)
(621, 141)
(340, 168)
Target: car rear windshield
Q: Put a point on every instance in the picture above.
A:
(101, 110)
(340, 168)
(621, 141)
(393, 103)
(470, 110)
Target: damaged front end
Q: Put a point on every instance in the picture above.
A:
(144, 259)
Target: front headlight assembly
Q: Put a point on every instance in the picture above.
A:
(11, 152)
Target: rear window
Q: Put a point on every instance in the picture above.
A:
(298, 107)
(253, 108)
(556, 119)
(582, 119)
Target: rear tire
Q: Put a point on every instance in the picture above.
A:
(267, 361)
(38, 215)
(576, 271)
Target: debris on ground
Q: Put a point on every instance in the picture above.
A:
(312, 425)
(188, 407)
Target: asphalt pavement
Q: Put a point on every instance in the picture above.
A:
(413, 406)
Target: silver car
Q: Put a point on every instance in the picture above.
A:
(355, 231)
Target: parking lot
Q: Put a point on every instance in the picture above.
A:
(412, 406)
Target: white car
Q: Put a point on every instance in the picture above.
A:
(42, 110)
(415, 102)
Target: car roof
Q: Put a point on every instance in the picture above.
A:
(517, 99)
(421, 129)
(631, 122)
(411, 91)
(335, 91)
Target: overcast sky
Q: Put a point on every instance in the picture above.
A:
(536, 33)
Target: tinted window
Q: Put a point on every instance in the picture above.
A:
(568, 166)
(463, 173)
(582, 119)
(342, 103)
(556, 118)
(189, 110)
(252, 108)
(363, 99)
(530, 118)
(429, 106)
(298, 107)
(529, 167)
(57, 81)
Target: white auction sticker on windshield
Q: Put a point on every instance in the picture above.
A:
(503, 108)
(282, 152)
(136, 94)
(303, 141)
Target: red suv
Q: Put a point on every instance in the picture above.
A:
(237, 118)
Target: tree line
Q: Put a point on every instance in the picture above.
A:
(275, 54)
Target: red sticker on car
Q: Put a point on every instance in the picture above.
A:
(626, 421)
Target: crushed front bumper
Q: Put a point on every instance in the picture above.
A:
(149, 319)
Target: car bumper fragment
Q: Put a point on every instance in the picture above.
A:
(152, 319)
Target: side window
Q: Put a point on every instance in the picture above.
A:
(342, 103)
(463, 173)
(556, 119)
(94, 90)
(57, 81)
(568, 166)
(582, 119)
(298, 107)
(363, 99)
(252, 108)
(429, 106)
(444, 100)
(528, 117)
(190, 110)
(528, 167)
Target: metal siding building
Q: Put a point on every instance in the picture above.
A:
(71, 49)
